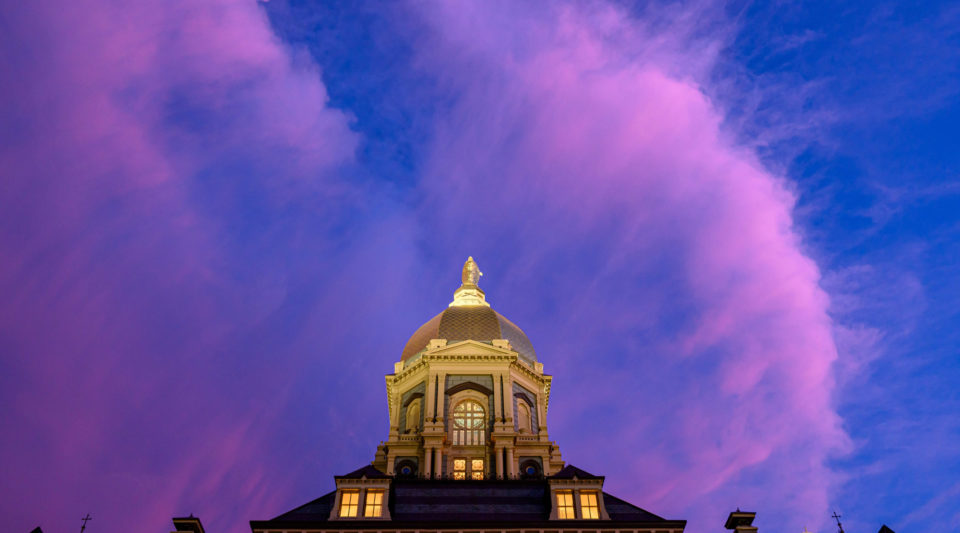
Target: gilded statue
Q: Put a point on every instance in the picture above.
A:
(471, 272)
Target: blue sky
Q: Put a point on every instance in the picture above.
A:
(731, 232)
(858, 105)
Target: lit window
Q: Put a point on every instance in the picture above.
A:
(588, 505)
(468, 423)
(349, 500)
(475, 471)
(373, 505)
(565, 504)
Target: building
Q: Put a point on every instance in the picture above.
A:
(468, 449)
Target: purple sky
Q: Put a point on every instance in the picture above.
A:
(221, 220)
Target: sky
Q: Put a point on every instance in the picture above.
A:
(731, 231)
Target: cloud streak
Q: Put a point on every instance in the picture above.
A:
(153, 157)
(689, 310)
(193, 262)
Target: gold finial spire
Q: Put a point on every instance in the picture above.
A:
(471, 272)
(469, 293)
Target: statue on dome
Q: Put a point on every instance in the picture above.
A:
(471, 272)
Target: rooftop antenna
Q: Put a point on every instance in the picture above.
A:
(84, 526)
(839, 525)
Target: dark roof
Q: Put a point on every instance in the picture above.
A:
(885, 529)
(369, 471)
(477, 322)
(623, 511)
(570, 471)
(449, 503)
(315, 511)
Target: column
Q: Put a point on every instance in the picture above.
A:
(395, 412)
(499, 462)
(438, 462)
(426, 462)
(541, 412)
(510, 463)
(508, 403)
(498, 383)
(428, 400)
(441, 394)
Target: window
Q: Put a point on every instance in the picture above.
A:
(529, 469)
(468, 423)
(373, 506)
(460, 469)
(565, 505)
(476, 468)
(349, 500)
(523, 417)
(413, 417)
(589, 509)
(407, 468)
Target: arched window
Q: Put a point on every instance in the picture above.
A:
(413, 417)
(523, 417)
(469, 425)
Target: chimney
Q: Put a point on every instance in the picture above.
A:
(189, 524)
(741, 522)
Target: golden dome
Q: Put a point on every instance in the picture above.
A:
(469, 317)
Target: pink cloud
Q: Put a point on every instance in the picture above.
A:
(128, 391)
(689, 308)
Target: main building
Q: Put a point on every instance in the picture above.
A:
(468, 449)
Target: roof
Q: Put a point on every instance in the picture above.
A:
(368, 472)
(449, 503)
(477, 322)
(570, 471)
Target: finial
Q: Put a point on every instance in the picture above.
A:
(469, 294)
(471, 272)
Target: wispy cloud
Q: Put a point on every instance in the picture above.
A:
(694, 322)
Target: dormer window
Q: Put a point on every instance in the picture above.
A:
(349, 503)
(373, 506)
(589, 506)
(577, 495)
(565, 510)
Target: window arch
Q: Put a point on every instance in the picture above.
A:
(469, 423)
(413, 417)
(523, 417)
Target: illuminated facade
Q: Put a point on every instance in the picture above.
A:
(468, 398)
(467, 446)
(467, 449)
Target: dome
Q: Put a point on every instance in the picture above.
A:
(469, 317)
